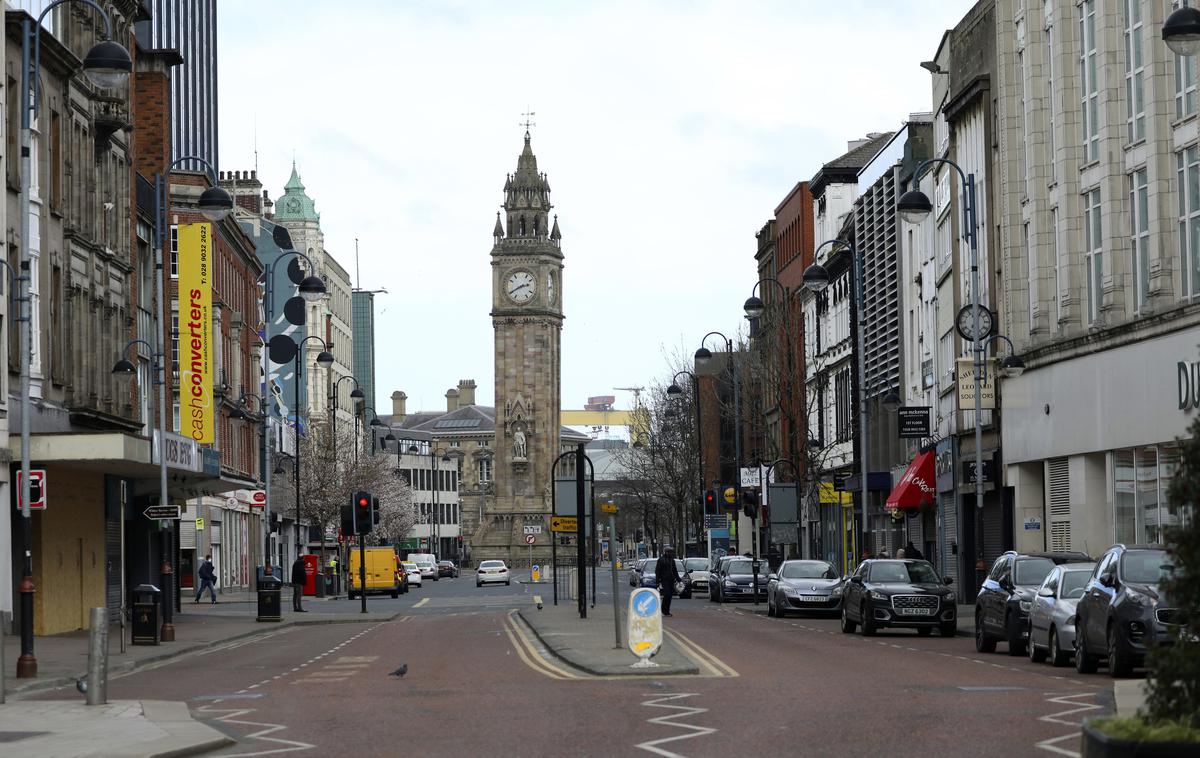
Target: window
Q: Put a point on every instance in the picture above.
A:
(1141, 481)
(1058, 264)
(1051, 105)
(174, 251)
(175, 343)
(1090, 97)
(1023, 143)
(485, 470)
(1185, 85)
(1093, 252)
(841, 387)
(1139, 238)
(1031, 274)
(1188, 165)
(1135, 96)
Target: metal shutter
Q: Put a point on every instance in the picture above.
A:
(112, 575)
(949, 518)
(1060, 504)
(214, 532)
(187, 535)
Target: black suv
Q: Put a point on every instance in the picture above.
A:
(1003, 603)
(1122, 611)
(898, 593)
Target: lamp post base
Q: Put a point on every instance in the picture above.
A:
(27, 667)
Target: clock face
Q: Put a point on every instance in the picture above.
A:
(520, 287)
(965, 322)
(551, 292)
(293, 205)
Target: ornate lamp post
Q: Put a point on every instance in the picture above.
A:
(325, 359)
(676, 391)
(704, 359)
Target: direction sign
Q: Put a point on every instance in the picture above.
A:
(564, 524)
(533, 529)
(608, 507)
(716, 521)
(530, 539)
(644, 624)
(161, 512)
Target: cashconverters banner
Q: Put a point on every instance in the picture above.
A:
(195, 332)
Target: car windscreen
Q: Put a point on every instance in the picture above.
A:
(696, 564)
(1072, 584)
(807, 570)
(745, 567)
(900, 571)
(1032, 571)
(492, 565)
(1144, 566)
(679, 569)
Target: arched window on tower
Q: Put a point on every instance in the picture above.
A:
(522, 226)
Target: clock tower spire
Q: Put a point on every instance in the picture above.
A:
(527, 317)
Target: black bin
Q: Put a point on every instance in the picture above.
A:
(269, 589)
(147, 612)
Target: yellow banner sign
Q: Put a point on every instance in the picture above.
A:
(195, 332)
(564, 524)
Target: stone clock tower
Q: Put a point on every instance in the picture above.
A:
(527, 317)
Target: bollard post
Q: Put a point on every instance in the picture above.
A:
(97, 691)
(3, 623)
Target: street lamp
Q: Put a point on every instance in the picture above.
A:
(106, 65)
(333, 409)
(914, 207)
(435, 517)
(1012, 366)
(703, 360)
(816, 279)
(266, 443)
(1181, 31)
(892, 401)
(324, 360)
(675, 391)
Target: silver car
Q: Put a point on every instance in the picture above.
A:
(698, 568)
(1052, 613)
(804, 586)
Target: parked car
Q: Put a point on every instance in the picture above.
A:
(697, 569)
(1003, 603)
(1122, 612)
(635, 570)
(647, 578)
(412, 573)
(1052, 617)
(714, 571)
(898, 593)
(428, 564)
(803, 586)
(735, 580)
(492, 572)
(447, 568)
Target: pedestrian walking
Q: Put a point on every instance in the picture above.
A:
(667, 576)
(208, 580)
(298, 578)
(910, 551)
(900, 553)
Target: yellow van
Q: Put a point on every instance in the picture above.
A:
(383, 573)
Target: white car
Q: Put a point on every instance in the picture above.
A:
(413, 572)
(492, 571)
(427, 563)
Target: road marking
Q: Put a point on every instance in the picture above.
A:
(529, 654)
(232, 717)
(715, 665)
(1051, 745)
(694, 730)
(421, 602)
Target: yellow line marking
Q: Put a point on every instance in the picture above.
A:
(422, 602)
(529, 654)
(712, 662)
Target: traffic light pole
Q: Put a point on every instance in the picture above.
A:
(362, 570)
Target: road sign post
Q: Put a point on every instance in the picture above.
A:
(612, 562)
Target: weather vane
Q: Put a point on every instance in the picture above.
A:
(527, 122)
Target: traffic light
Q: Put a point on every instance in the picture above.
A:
(360, 503)
(750, 503)
(274, 522)
(710, 502)
(348, 521)
(375, 510)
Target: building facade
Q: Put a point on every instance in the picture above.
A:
(362, 304)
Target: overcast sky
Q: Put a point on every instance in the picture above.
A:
(669, 132)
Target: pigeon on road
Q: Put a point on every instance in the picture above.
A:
(400, 672)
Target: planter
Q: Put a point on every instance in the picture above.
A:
(1096, 744)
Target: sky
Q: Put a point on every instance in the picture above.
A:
(669, 131)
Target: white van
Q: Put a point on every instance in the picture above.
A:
(427, 562)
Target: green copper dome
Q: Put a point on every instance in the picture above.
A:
(295, 205)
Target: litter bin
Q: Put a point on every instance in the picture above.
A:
(269, 590)
(147, 610)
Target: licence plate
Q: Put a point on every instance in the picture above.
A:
(917, 611)
(812, 598)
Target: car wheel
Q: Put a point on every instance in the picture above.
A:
(983, 643)
(770, 606)
(868, 624)
(1016, 645)
(1036, 654)
(847, 624)
(1085, 662)
(925, 631)
(508, 584)
(478, 584)
(780, 611)
(1119, 664)
(948, 630)
(1058, 656)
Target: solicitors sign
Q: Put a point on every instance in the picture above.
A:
(195, 332)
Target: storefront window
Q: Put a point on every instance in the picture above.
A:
(1141, 480)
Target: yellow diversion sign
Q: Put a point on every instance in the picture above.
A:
(564, 524)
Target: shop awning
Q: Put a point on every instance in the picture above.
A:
(916, 487)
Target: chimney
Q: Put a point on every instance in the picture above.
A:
(398, 399)
(451, 400)
(466, 392)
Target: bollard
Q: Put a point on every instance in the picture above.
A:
(3, 624)
(97, 691)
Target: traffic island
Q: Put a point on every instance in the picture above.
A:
(589, 644)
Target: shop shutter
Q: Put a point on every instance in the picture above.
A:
(214, 533)
(187, 535)
(112, 574)
(1060, 504)
(993, 531)
(949, 519)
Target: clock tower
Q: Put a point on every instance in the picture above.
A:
(527, 316)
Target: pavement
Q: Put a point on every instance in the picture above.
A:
(590, 644)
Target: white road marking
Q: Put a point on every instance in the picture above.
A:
(693, 730)
(423, 601)
(1051, 745)
(232, 717)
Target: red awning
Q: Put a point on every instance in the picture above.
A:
(916, 487)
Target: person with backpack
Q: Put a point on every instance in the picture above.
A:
(208, 580)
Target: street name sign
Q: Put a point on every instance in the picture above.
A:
(533, 529)
(162, 512)
(564, 524)
(644, 624)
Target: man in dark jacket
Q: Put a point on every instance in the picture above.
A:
(910, 551)
(667, 575)
(299, 577)
(208, 579)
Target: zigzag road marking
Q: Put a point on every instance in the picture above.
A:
(232, 717)
(669, 720)
(1051, 745)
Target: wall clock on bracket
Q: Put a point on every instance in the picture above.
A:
(965, 323)
(520, 287)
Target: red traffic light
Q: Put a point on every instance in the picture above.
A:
(362, 502)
